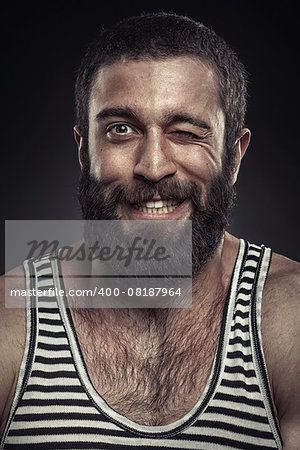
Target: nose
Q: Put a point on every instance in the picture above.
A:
(154, 160)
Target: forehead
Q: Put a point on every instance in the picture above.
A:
(153, 86)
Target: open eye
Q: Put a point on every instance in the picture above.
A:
(120, 129)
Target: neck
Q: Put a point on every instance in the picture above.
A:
(209, 288)
(209, 292)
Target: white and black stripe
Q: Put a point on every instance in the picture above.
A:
(56, 406)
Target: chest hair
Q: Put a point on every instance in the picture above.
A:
(155, 370)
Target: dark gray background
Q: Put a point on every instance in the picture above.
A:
(43, 44)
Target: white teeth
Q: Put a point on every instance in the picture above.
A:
(160, 203)
(161, 207)
(172, 203)
(149, 204)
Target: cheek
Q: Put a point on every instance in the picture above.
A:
(198, 166)
(108, 162)
(109, 165)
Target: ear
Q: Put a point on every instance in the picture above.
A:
(79, 141)
(240, 147)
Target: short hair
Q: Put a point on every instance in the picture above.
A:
(160, 36)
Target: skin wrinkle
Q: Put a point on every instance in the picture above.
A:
(143, 332)
(205, 65)
(135, 357)
(158, 88)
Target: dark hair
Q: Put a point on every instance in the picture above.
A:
(163, 35)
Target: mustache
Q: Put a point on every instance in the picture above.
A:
(143, 191)
(210, 211)
(138, 192)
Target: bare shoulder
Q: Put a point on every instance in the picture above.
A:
(284, 276)
(281, 340)
(281, 300)
(12, 337)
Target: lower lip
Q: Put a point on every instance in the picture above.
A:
(169, 215)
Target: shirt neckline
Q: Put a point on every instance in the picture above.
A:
(98, 401)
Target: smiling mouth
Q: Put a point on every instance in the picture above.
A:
(158, 206)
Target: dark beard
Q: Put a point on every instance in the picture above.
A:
(99, 200)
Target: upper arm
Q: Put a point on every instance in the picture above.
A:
(287, 379)
(281, 339)
(6, 370)
(12, 340)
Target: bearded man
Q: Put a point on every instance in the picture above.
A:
(161, 104)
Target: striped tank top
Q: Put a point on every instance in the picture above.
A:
(56, 406)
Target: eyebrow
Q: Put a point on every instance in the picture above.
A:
(172, 118)
(125, 112)
(169, 118)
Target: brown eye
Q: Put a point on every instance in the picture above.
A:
(120, 129)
